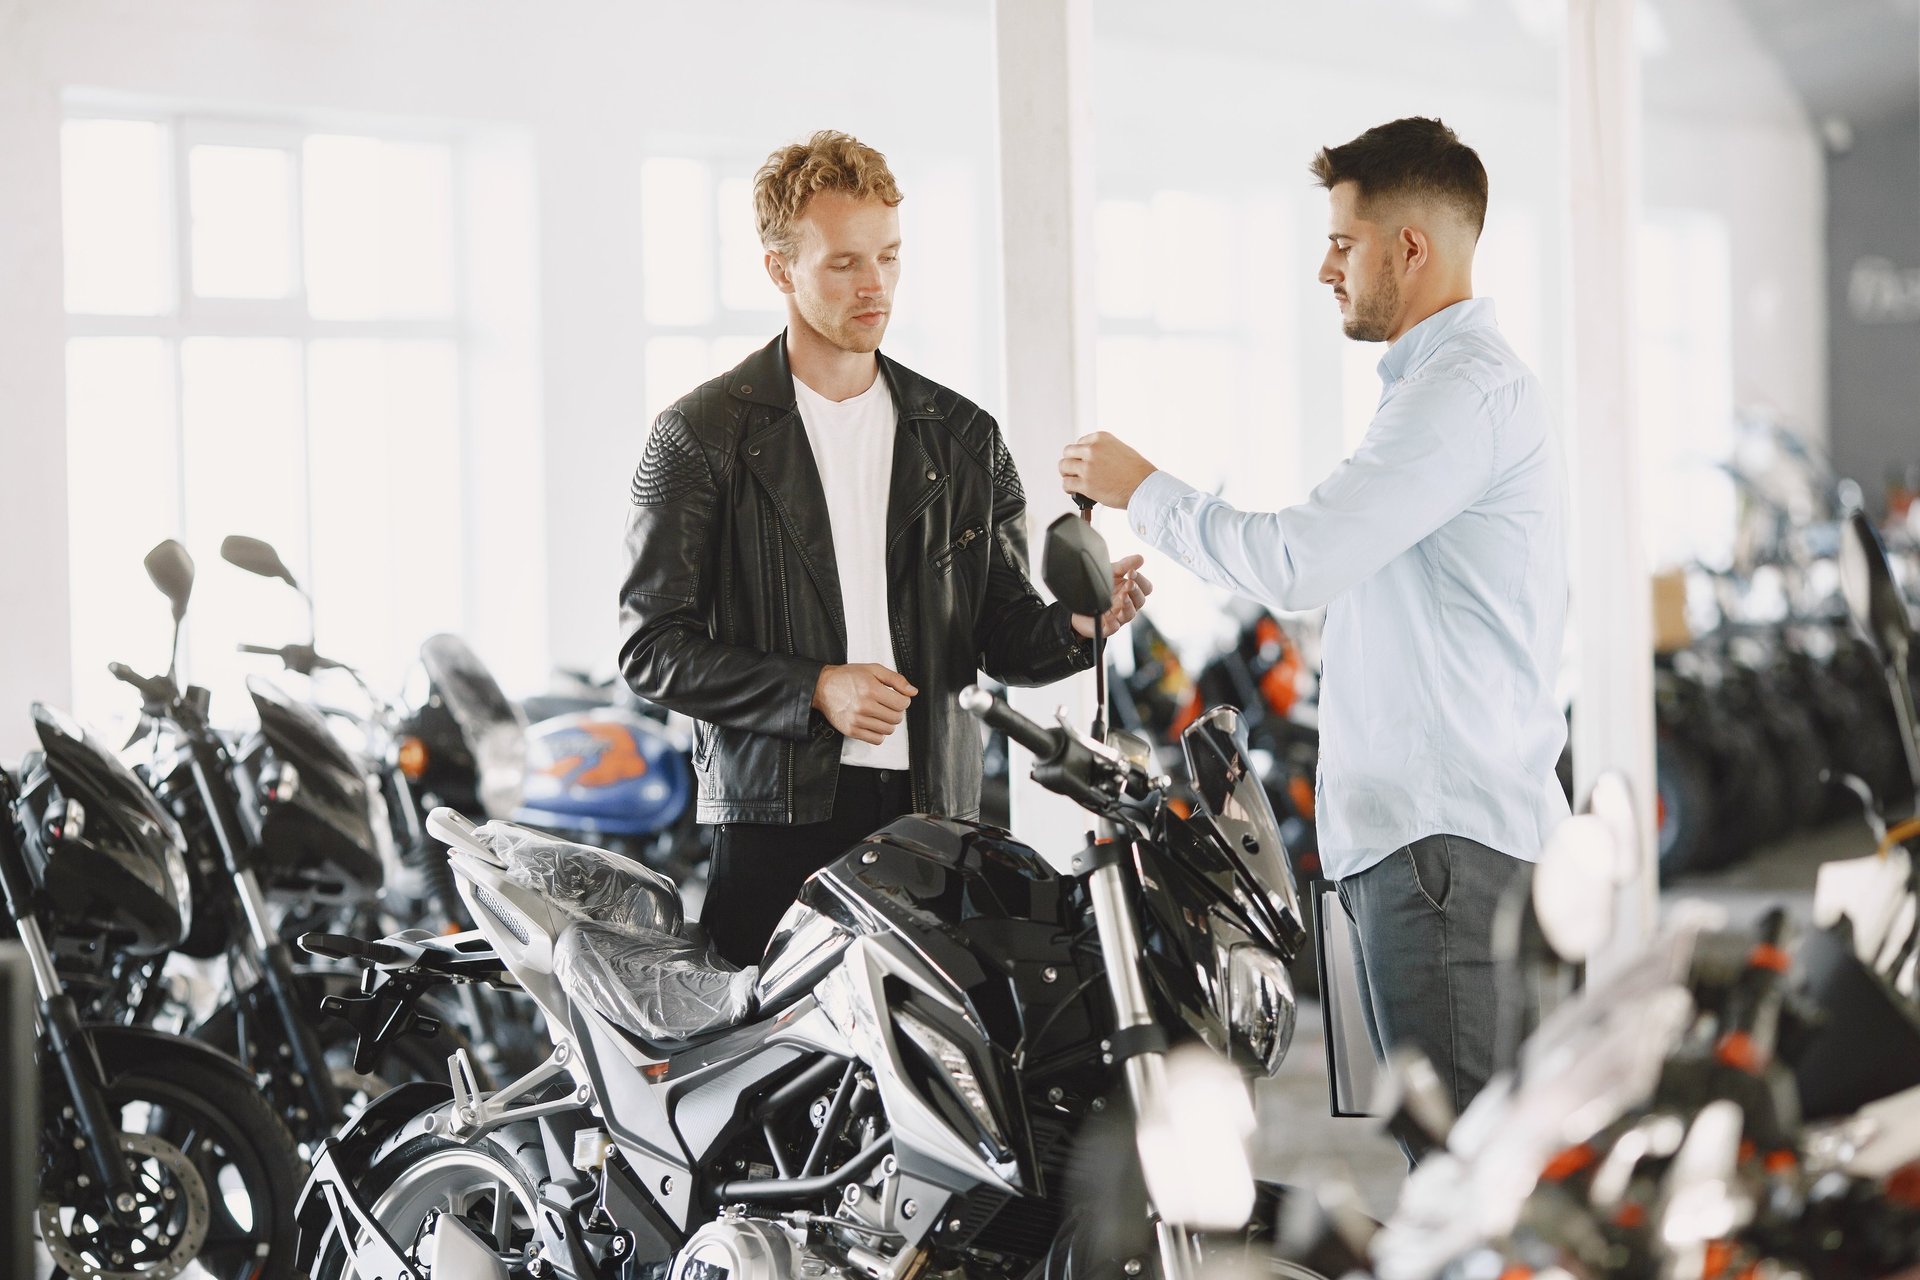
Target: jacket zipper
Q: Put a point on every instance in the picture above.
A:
(915, 787)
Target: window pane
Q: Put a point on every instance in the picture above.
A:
(1122, 233)
(676, 366)
(385, 469)
(379, 231)
(119, 407)
(242, 200)
(744, 285)
(115, 217)
(676, 230)
(1191, 263)
(728, 352)
(245, 471)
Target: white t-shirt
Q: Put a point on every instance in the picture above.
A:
(852, 443)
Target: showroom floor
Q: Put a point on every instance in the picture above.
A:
(1299, 1142)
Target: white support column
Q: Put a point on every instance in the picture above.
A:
(1612, 595)
(1043, 55)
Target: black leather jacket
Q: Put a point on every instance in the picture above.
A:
(733, 602)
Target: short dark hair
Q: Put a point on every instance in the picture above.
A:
(1414, 157)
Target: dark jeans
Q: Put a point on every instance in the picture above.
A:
(758, 867)
(1422, 923)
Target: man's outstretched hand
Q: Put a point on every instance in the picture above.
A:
(864, 701)
(1130, 591)
(1103, 468)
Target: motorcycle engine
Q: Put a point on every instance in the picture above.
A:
(736, 1247)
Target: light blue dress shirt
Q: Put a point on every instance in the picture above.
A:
(1439, 551)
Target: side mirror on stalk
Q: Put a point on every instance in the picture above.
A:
(171, 569)
(256, 557)
(1873, 598)
(1076, 567)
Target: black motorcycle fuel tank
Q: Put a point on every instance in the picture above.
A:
(315, 825)
(981, 908)
(104, 851)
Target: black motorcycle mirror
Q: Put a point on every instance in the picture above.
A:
(256, 556)
(171, 569)
(259, 557)
(1873, 598)
(1076, 569)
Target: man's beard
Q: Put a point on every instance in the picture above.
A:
(1370, 318)
(842, 331)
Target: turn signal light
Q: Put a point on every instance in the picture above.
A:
(413, 758)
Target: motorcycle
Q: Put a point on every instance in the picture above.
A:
(281, 825)
(899, 1088)
(156, 1152)
(1731, 1102)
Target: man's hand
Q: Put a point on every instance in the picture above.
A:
(1103, 468)
(1130, 591)
(864, 701)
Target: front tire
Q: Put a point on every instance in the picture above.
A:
(208, 1151)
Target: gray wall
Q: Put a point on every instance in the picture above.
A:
(1873, 255)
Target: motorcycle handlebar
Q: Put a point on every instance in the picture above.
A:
(993, 709)
(127, 675)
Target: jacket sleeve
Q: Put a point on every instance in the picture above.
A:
(667, 653)
(1022, 640)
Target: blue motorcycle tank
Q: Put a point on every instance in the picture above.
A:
(605, 771)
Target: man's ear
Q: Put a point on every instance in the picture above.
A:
(1414, 248)
(779, 271)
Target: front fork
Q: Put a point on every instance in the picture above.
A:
(270, 952)
(1145, 1068)
(80, 1069)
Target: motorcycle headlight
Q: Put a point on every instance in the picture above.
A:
(1260, 1006)
(953, 1063)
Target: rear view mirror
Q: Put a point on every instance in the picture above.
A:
(171, 569)
(256, 557)
(1573, 887)
(1076, 568)
(1873, 598)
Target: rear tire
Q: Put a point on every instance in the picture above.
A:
(488, 1183)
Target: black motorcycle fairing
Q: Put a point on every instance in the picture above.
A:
(319, 830)
(120, 867)
(982, 910)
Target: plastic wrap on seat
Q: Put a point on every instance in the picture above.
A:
(662, 986)
(584, 882)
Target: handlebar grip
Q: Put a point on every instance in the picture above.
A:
(993, 709)
(257, 648)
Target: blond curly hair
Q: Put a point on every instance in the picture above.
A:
(828, 161)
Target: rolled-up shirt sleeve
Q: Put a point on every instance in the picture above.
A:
(1428, 455)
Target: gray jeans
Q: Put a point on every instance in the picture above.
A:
(1422, 923)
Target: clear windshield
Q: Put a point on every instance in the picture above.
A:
(495, 731)
(1223, 773)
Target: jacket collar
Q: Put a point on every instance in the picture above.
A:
(1418, 344)
(779, 455)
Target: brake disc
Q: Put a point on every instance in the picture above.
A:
(162, 1235)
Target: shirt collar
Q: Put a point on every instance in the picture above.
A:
(1425, 338)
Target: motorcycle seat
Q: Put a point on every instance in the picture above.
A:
(659, 987)
(625, 952)
(585, 883)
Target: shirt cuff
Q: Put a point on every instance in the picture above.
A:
(1150, 510)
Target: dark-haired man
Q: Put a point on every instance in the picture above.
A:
(1438, 549)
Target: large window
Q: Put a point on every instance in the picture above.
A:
(266, 336)
(1196, 361)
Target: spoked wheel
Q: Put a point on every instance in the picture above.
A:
(214, 1180)
(483, 1186)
